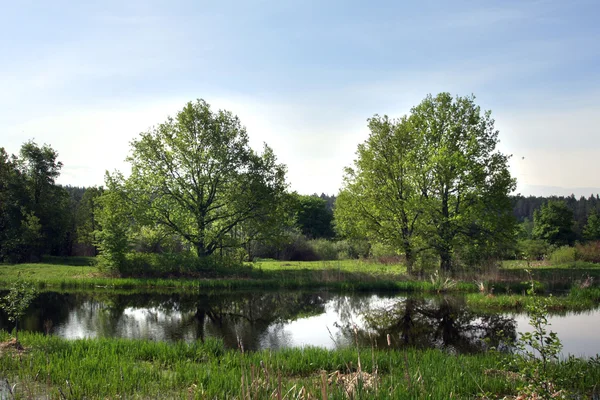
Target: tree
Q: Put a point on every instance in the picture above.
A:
(197, 177)
(591, 231)
(34, 215)
(12, 197)
(313, 217)
(87, 218)
(46, 201)
(16, 302)
(464, 179)
(380, 199)
(553, 222)
(432, 179)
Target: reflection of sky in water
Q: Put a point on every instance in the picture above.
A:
(578, 332)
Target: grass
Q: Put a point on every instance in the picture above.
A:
(508, 283)
(117, 368)
(578, 299)
(349, 275)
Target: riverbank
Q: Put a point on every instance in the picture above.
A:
(117, 368)
(501, 289)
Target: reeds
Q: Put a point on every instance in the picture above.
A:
(116, 368)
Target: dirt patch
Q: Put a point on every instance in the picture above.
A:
(11, 344)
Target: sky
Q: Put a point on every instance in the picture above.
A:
(87, 77)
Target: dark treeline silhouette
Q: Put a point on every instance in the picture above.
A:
(524, 208)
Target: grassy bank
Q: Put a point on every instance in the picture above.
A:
(115, 368)
(347, 275)
(508, 284)
(576, 299)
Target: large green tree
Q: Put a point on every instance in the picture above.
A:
(380, 199)
(48, 201)
(431, 179)
(34, 217)
(196, 176)
(553, 222)
(591, 231)
(313, 217)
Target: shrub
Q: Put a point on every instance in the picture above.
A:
(589, 252)
(324, 249)
(164, 265)
(533, 249)
(563, 255)
(298, 249)
(353, 248)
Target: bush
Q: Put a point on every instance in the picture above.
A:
(298, 249)
(324, 249)
(352, 249)
(563, 255)
(533, 249)
(589, 252)
(166, 265)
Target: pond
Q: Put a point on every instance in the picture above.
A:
(275, 320)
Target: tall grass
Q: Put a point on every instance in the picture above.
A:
(116, 368)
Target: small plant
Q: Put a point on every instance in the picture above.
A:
(537, 351)
(441, 283)
(17, 300)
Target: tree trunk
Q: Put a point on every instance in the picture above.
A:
(445, 260)
(410, 259)
(201, 250)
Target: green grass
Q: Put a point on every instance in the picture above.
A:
(117, 368)
(576, 300)
(348, 275)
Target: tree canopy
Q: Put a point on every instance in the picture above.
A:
(433, 179)
(196, 176)
(553, 222)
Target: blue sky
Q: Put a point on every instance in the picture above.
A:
(87, 77)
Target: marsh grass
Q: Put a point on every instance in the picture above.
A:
(577, 299)
(117, 368)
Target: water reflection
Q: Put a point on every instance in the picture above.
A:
(442, 322)
(276, 320)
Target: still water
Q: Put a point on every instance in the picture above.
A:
(274, 320)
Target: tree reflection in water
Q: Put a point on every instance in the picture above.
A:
(264, 319)
(442, 322)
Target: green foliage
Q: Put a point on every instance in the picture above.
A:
(196, 177)
(589, 252)
(563, 255)
(442, 283)
(33, 209)
(353, 249)
(325, 249)
(87, 218)
(313, 216)
(114, 216)
(591, 231)
(430, 180)
(553, 222)
(16, 302)
(537, 350)
(379, 200)
(525, 230)
(533, 249)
